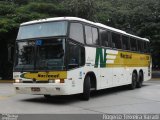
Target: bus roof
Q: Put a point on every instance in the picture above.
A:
(81, 20)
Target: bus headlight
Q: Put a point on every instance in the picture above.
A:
(57, 80)
(17, 80)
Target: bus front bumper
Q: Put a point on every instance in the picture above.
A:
(41, 89)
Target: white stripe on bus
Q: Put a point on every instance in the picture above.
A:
(111, 57)
(112, 52)
(110, 61)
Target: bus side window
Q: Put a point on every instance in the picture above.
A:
(76, 32)
(133, 43)
(140, 45)
(76, 55)
(125, 43)
(116, 41)
(104, 35)
(88, 32)
(146, 47)
(95, 36)
(91, 35)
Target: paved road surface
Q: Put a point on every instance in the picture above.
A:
(115, 100)
(156, 74)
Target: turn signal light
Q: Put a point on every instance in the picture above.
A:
(61, 80)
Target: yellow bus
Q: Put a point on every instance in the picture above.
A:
(70, 55)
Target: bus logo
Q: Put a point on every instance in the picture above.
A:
(39, 42)
(104, 57)
(100, 57)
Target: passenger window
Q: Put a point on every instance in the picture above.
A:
(125, 43)
(75, 59)
(140, 45)
(146, 47)
(116, 41)
(76, 32)
(104, 35)
(88, 32)
(133, 43)
(95, 36)
(91, 35)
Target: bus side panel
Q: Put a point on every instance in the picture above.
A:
(111, 67)
(75, 79)
(96, 63)
(77, 76)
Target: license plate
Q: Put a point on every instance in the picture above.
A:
(35, 89)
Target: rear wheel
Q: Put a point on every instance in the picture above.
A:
(86, 89)
(134, 81)
(140, 80)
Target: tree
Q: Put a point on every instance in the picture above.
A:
(138, 17)
(82, 8)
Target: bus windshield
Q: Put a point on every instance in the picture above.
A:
(40, 54)
(39, 30)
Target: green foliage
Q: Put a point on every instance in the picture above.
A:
(20, 2)
(82, 8)
(139, 17)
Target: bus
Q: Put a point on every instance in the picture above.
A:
(70, 55)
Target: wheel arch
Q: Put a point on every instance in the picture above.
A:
(93, 79)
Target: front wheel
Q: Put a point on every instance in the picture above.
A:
(134, 81)
(47, 96)
(86, 89)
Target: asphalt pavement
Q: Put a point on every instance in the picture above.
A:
(114, 100)
(155, 74)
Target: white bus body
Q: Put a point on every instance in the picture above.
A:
(105, 67)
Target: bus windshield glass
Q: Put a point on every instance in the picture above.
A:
(47, 54)
(39, 30)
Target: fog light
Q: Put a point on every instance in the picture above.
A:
(17, 88)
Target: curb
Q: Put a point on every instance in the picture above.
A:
(155, 78)
(6, 81)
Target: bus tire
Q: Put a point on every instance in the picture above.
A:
(140, 80)
(47, 96)
(134, 81)
(86, 89)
